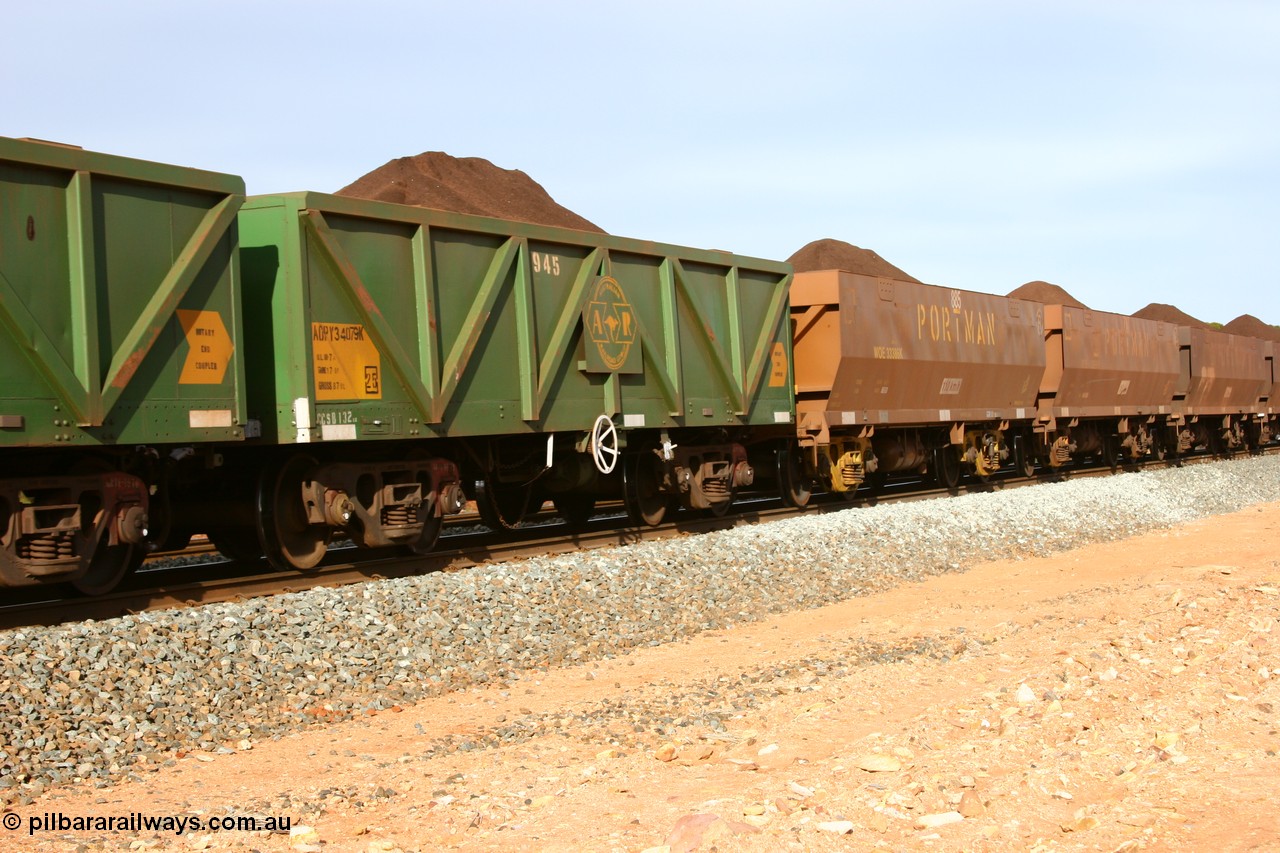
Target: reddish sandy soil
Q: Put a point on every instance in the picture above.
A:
(1119, 697)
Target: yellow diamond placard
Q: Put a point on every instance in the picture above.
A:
(209, 347)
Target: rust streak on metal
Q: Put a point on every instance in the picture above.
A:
(367, 301)
(131, 365)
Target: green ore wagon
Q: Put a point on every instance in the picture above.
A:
(404, 360)
(119, 322)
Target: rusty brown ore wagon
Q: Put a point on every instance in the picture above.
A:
(895, 376)
(1108, 388)
(1223, 389)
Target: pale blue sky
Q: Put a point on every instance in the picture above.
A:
(1127, 151)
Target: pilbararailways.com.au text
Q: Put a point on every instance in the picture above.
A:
(139, 822)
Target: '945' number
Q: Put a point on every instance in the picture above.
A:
(544, 263)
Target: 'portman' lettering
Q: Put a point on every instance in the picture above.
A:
(941, 324)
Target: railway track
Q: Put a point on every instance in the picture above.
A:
(205, 579)
(158, 586)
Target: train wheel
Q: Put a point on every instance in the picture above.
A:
(239, 544)
(501, 507)
(434, 523)
(720, 509)
(791, 479)
(641, 489)
(1169, 443)
(946, 465)
(290, 541)
(876, 481)
(1022, 456)
(575, 509)
(110, 565)
(174, 540)
(431, 528)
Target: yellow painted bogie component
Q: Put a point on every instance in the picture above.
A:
(847, 464)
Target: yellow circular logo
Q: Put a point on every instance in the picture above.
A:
(611, 322)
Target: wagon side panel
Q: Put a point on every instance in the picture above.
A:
(914, 353)
(1225, 373)
(392, 321)
(1112, 365)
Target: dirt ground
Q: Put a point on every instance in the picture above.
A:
(1118, 697)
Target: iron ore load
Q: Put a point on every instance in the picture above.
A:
(279, 372)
